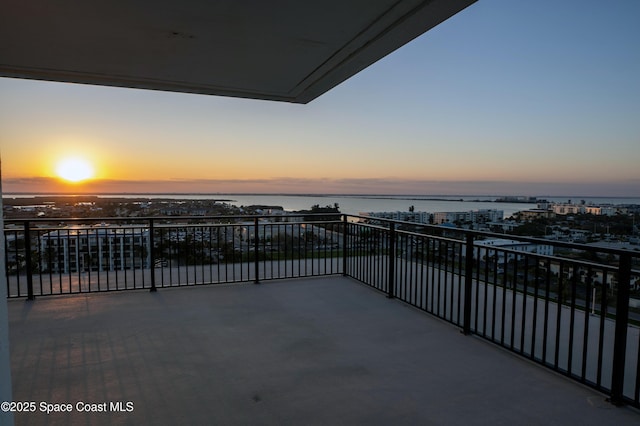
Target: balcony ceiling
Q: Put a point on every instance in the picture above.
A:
(290, 51)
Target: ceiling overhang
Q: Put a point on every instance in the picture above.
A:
(290, 51)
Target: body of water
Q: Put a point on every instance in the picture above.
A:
(358, 204)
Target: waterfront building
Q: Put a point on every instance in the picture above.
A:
(601, 210)
(566, 209)
(503, 247)
(104, 248)
(471, 216)
(529, 215)
(408, 216)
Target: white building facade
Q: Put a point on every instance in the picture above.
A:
(503, 248)
(104, 248)
(415, 217)
(472, 216)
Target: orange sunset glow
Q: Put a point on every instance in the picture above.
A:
(74, 169)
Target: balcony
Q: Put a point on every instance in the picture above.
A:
(336, 332)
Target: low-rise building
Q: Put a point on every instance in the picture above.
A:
(565, 209)
(503, 225)
(408, 216)
(103, 248)
(529, 215)
(506, 249)
(601, 210)
(471, 216)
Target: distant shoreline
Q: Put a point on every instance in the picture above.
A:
(432, 197)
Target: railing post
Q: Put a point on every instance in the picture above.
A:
(622, 322)
(152, 255)
(392, 260)
(468, 283)
(27, 259)
(345, 226)
(256, 251)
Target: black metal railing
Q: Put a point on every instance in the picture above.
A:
(565, 306)
(107, 254)
(570, 307)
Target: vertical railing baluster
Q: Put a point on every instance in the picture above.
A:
(622, 322)
(460, 282)
(534, 326)
(486, 291)
(477, 302)
(27, 259)
(585, 336)
(433, 273)
(256, 251)
(494, 318)
(152, 255)
(572, 318)
(603, 317)
(392, 261)
(468, 283)
(40, 265)
(559, 303)
(523, 320)
(503, 316)
(545, 327)
(345, 242)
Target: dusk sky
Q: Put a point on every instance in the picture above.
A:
(527, 97)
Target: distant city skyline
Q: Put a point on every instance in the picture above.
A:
(535, 98)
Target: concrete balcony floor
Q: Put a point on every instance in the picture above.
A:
(320, 351)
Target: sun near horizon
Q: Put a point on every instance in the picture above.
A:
(74, 169)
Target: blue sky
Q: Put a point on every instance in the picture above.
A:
(505, 98)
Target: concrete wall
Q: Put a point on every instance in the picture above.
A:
(5, 362)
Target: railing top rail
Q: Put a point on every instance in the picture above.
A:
(172, 218)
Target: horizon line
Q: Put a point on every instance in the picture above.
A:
(302, 194)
